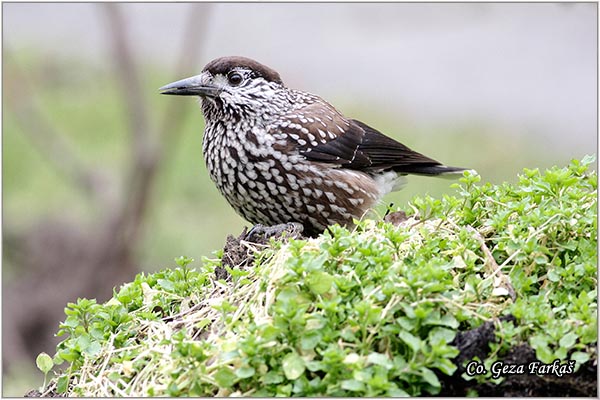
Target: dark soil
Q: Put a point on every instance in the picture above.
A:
(475, 343)
(238, 252)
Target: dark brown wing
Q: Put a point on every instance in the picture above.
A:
(322, 134)
(387, 153)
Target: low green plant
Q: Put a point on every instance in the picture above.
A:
(370, 311)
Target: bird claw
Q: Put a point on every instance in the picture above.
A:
(259, 231)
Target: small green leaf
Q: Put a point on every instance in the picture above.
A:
(397, 392)
(269, 332)
(449, 320)
(225, 378)
(406, 323)
(319, 282)
(114, 376)
(245, 372)
(57, 360)
(93, 348)
(553, 276)
(352, 385)
(380, 359)
(310, 340)
(173, 390)
(293, 366)
(444, 335)
(412, 341)
(272, 378)
(62, 384)
(430, 377)
(446, 366)
(568, 340)
(165, 284)
(580, 357)
(183, 261)
(44, 362)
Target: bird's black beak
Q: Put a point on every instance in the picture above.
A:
(193, 86)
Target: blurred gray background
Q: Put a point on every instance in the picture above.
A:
(495, 87)
(524, 66)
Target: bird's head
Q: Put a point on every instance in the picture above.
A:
(231, 85)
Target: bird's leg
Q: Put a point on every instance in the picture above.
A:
(290, 229)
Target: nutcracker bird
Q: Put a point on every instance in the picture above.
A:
(280, 155)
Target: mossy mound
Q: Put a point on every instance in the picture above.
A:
(506, 272)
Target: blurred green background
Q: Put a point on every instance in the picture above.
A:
(103, 177)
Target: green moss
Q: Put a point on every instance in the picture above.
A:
(364, 312)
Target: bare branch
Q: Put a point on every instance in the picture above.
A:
(147, 154)
(129, 81)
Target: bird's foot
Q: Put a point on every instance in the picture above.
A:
(263, 233)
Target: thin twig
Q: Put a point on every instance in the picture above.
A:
(129, 81)
(493, 268)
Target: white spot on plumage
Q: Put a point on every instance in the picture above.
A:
(272, 187)
(357, 201)
(241, 189)
(344, 186)
(251, 173)
(339, 210)
(273, 214)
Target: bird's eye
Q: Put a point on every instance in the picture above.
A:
(235, 78)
